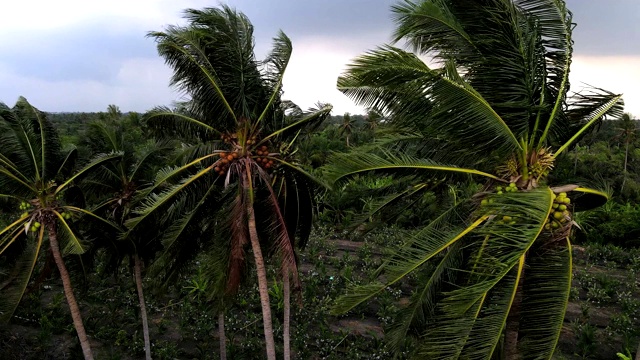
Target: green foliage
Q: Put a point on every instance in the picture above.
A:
(478, 112)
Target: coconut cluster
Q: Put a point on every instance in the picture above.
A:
(25, 206)
(226, 159)
(501, 190)
(506, 219)
(35, 226)
(560, 214)
(262, 157)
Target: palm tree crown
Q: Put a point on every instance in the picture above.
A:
(36, 173)
(497, 107)
(238, 181)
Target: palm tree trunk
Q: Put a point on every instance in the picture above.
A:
(263, 285)
(137, 270)
(624, 171)
(222, 336)
(287, 315)
(68, 292)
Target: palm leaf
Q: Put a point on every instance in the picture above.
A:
(13, 287)
(584, 199)
(8, 234)
(97, 161)
(157, 202)
(608, 104)
(429, 242)
(276, 64)
(307, 122)
(71, 244)
(546, 293)
(473, 299)
(415, 317)
(179, 122)
(457, 110)
(491, 320)
(431, 28)
(183, 49)
(347, 165)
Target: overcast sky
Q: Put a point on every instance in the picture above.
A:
(78, 55)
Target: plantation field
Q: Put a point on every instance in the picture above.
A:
(601, 318)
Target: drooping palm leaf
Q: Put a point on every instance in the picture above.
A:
(15, 283)
(546, 293)
(346, 165)
(456, 110)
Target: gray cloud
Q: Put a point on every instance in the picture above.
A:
(606, 27)
(89, 65)
(90, 52)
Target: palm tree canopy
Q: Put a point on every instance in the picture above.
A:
(234, 119)
(495, 106)
(502, 75)
(36, 174)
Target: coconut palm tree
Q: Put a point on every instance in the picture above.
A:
(495, 109)
(37, 174)
(346, 128)
(627, 132)
(115, 186)
(239, 138)
(373, 119)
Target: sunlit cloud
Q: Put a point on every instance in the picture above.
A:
(618, 74)
(77, 55)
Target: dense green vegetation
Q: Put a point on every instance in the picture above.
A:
(479, 210)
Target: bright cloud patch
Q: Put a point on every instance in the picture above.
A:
(613, 73)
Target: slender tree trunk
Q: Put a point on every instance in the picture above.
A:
(512, 327)
(263, 285)
(137, 270)
(287, 314)
(68, 292)
(624, 171)
(347, 140)
(222, 336)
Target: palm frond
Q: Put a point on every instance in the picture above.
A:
(154, 203)
(187, 227)
(415, 317)
(343, 166)
(183, 50)
(587, 111)
(426, 244)
(276, 64)
(490, 322)
(67, 238)
(14, 284)
(305, 123)
(147, 161)
(68, 163)
(12, 233)
(181, 122)
(92, 216)
(95, 162)
(168, 173)
(430, 28)
(395, 81)
(481, 284)
(546, 291)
